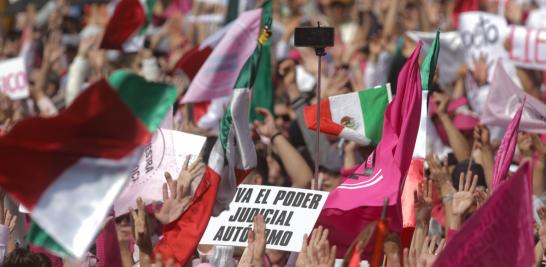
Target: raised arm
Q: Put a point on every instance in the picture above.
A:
(79, 69)
(390, 20)
(456, 139)
(481, 137)
(538, 169)
(288, 72)
(293, 162)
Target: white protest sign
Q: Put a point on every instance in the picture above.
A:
(166, 153)
(483, 33)
(13, 78)
(528, 47)
(536, 18)
(289, 213)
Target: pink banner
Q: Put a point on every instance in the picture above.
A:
(507, 149)
(505, 98)
(218, 75)
(500, 233)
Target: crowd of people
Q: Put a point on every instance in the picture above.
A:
(60, 43)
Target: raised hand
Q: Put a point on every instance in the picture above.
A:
(53, 50)
(442, 101)
(423, 202)
(255, 251)
(266, 128)
(539, 145)
(188, 174)
(409, 258)
(464, 197)
(287, 70)
(337, 84)
(481, 69)
(439, 174)
(87, 44)
(430, 251)
(542, 229)
(317, 251)
(392, 250)
(6, 218)
(525, 145)
(175, 203)
(141, 232)
(481, 136)
(481, 197)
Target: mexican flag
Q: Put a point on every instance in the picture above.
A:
(67, 170)
(428, 69)
(128, 25)
(262, 95)
(231, 160)
(355, 116)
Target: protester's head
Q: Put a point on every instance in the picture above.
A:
(475, 168)
(295, 6)
(283, 116)
(410, 18)
(21, 257)
(123, 228)
(338, 11)
(330, 179)
(277, 258)
(11, 44)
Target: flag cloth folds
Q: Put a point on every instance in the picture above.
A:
(503, 100)
(128, 25)
(500, 233)
(504, 156)
(81, 158)
(262, 94)
(232, 158)
(416, 169)
(428, 69)
(355, 116)
(218, 75)
(359, 199)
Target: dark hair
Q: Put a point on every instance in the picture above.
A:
(462, 166)
(21, 257)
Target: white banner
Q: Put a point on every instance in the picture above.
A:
(289, 213)
(483, 34)
(13, 78)
(528, 47)
(166, 153)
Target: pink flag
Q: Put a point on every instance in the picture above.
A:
(507, 149)
(503, 99)
(498, 234)
(359, 199)
(217, 76)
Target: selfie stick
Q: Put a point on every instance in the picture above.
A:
(319, 51)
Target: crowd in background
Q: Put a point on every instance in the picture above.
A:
(60, 43)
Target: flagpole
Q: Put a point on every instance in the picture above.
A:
(319, 51)
(318, 38)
